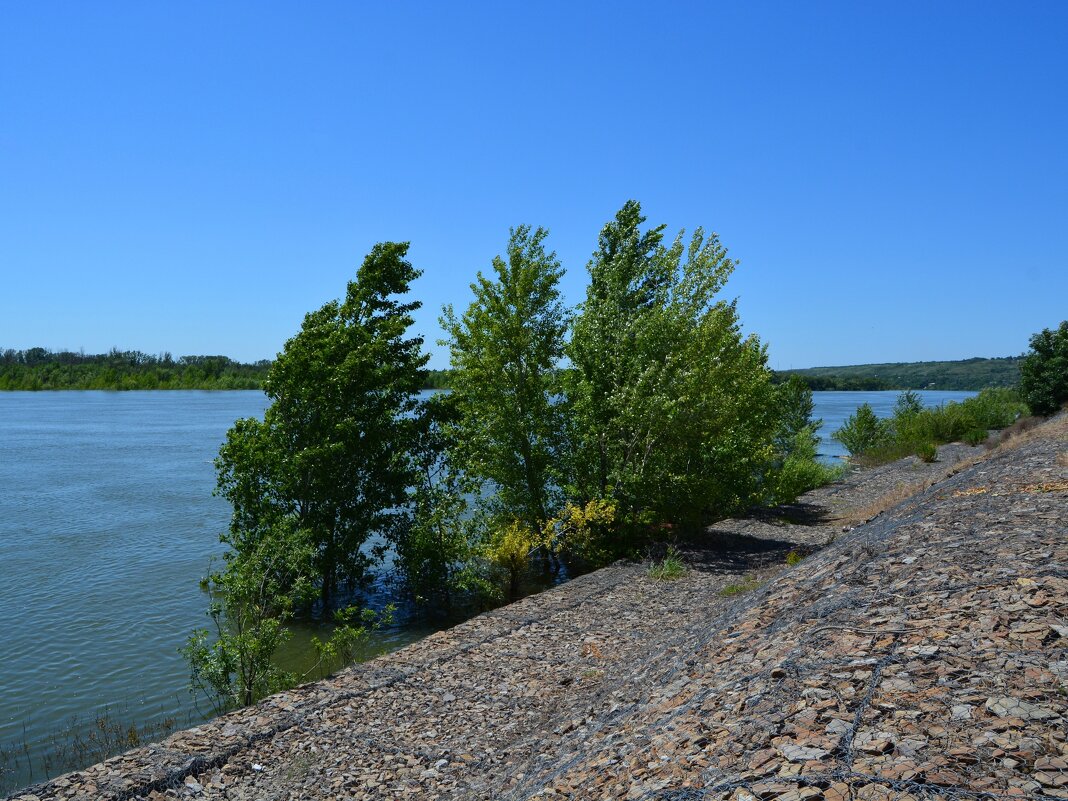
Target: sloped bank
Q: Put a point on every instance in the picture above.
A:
(922, 653)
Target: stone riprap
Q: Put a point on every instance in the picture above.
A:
(921, 654)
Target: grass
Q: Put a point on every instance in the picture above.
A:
(747, 584)
(902, 492)
(1017, 434)
(669, 568)
(794, 558)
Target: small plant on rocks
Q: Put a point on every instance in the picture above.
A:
(927, 452)
(747, 584)
(669, 568)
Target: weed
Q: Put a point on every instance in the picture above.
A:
(794, 558)
(669, 568)
(746, 585)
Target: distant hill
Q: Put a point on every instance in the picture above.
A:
(973, 374)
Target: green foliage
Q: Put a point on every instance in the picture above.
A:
(505, 351)
(1044, 371)
(800, 470)
(976, 437)
(794, 558)
(332, 455)
(794, 401)
(253, 598)
(353, 627)
(588, 534)
(438, 379)
(966, 374)
(669, 568)
(747, 584)
(797, 468)
(863, 431)
(671, 408)
(439, 552)
(951, 422)
(927, 451)
(908, 405)
(41, 369)
(914, 429)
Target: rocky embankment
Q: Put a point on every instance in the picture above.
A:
(920, 654)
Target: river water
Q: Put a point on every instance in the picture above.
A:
(107, 522)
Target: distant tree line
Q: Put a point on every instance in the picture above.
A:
(40, 369)
(836, 383)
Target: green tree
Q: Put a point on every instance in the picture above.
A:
(794, 401)
(505, 352)
(673, 408)
(332, 455)
(1044, 370)
(863, 431)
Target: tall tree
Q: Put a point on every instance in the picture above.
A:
(331, 457)
(505, 350)
(673, 408)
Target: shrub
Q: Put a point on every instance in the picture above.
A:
(1044, 371)
(913, 429)
(801, 471)
(510, 549)
(587, 533)
(927, 452)
(863, 431)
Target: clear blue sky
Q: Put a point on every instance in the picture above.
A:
(195, 176)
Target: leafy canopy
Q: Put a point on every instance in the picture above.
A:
(672, 408)
(1044, 371)
(332, 454)
(505, 351)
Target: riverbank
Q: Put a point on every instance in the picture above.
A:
(917, 652)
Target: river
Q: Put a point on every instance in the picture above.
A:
(107, 522)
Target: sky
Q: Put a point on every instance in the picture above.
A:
(194, 177)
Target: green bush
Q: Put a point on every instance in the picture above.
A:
(863, 431)
(913, 429)
(801, 471)
(1044, 371)
(927, 452)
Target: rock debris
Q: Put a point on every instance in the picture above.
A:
(922, 654)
